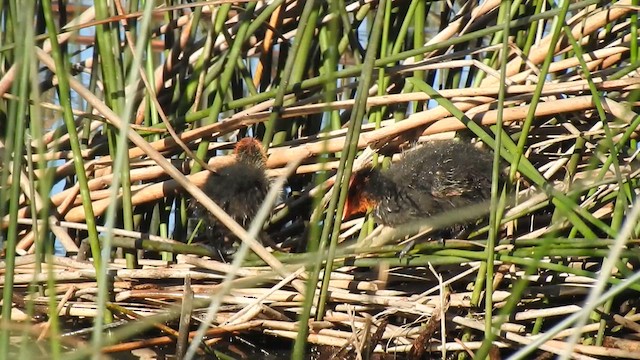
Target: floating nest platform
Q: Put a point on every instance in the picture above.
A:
(375, 304)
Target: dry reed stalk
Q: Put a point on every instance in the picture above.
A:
(253, 309)
(134, 316)
(216, 266)
(627, 322)
(552, 346)
(594, 327)
(452, 346)
(165, 340)
(312, 338)
(630, 346)
(42, 278)
(399, 333)
(47, 325)
(186, 311)
(582, 30)
(7, 80)
(63, 288)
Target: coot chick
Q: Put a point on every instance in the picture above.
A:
(239, 189)
(438, 177)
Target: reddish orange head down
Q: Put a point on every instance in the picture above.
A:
(359, 199)
(250, 151)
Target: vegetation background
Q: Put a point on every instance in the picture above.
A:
(122, 103)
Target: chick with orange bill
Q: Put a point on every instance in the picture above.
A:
(436, 178)
(239, 189)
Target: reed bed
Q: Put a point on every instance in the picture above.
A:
(150, 98)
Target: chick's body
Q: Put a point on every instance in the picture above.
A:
(239, 189)
(440, 176)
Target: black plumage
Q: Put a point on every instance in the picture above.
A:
(438, 177)
(239, 189)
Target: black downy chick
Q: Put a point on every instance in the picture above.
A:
(239, 189)
(438, 177)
